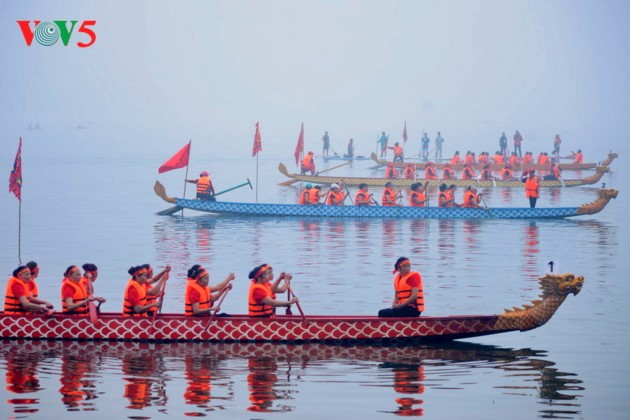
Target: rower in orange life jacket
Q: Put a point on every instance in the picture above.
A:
(134, 301)
(315, 194)
(507, 174)
(544, 159)
(389, 195)
(153, 286)
(483, 158)
(514, 161)
(18, 299)
(430, 172)
(528, 159)
(443, 197)
(398, 152)
(32, 265)
(409, 292)
(199, 299)
(262, 293)
(531, 187)
(471, 198)
(305, 195)
(498, 159)
(468, 173)
(578, 157)
(362, 198)
(486, 173)
(308, 164)
(205, 189)
(410, 171)
(336, 197)
(391, 172)
(447, 172)
(456, 160)
(74, 297)
(417, 197)
(90, 274)
(554, 171)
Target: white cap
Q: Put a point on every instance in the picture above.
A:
(334, 186)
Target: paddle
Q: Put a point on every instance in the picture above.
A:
(159, 298)
(229, 287)
(486, 208)
(288, 310)
(172, 210)
(283, 170)
(347, 193)
(91, 306)
(297, 303)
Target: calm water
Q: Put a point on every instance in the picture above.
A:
(92, 203)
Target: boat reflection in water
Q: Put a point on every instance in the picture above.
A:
(154, 374)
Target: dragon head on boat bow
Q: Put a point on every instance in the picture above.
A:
(605, 195)
(159, 189)
(555, 290)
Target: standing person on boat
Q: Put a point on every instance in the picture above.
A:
(471, 198)
(409, 292)
(399, 154)
(362, 198)
(439, 140)
(350, 153)
(577, 157)
(503, 144)
(425, 146)
(518, 140)
(305, 195)
(326, 141)
(556, 147)
(153, 285)
(418, 197)
(382, 142)
(18, 299)
(32, 265)
(74, 297)
(531, 187)
(308, 164)
(391, 172)
(205, 189)
(336, 197)
(135, 297)
(554, 171)
(389, 196)
(199, 299)
(262, 293)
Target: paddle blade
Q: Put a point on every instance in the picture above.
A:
(92, 313)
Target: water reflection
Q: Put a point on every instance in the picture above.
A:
(276, 373)
(531, 241)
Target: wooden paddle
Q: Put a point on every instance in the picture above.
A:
(91, 306)
(297, 303)
(288, 310)
(283, 170)
(160, 297)
(229, 287)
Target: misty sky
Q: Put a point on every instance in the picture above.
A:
(208, 70)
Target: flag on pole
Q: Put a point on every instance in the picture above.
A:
(15, 179)
(299, 148)
(405, 133)
(257, 142)
(179, 160)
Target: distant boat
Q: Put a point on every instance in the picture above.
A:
(337, 157)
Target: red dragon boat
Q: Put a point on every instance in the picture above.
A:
(495, 167)
(292, 328)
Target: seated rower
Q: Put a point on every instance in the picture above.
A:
(153, 285)
(305, 195)
(448, 172)
(486, 173)
(32, 265)
(468, 173)
(410, 171)
(418, 198)
(507, 174)
(135, 297)
(409, 294)
(205, 189)
(362, 198)
(262, 293)
(315, 195)
(389, 196)
(199, 299)
(471, 198)
(430, 172)
(554, 171)
(335, 197)
(18, 298)
(577, 157)
(391, 172)
(74, 297)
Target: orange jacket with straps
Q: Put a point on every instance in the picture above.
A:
(205, 300)
(470, 199)
(555, 170)
(468, 173)
(314, 196)
(391, 172)
(416, 196)
(259, 309)
(12, 305)
(305, 197)
(456, 160)
(308, 160)
(403, 291)
(531, 187)
(128, 308)
(514, 161)
(78, 294)
(448, 173)
(203, 185)
(398, 151)
(507, 173)
(362, 198)
(498, 158)
(389, 197)
(410, 172)
(430, 172)
(335, 198)
(486, 174)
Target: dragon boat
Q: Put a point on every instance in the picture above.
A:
(294, 328)
(404, 182)
(386, 212)
(344, 158)
(564, 166)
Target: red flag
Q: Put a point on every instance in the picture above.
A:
(179, 160)
(15, 179)
(405, 133)
(299, 148)
(257, 142)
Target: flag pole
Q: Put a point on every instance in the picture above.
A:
(256, 177)
(186, 176)
(20, 233)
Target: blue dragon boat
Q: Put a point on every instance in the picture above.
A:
(386, 212)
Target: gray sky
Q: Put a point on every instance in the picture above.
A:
(208, 70)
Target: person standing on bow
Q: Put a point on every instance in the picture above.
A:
(531, 187)
(425, 146)
(199, 299)
(362, 198)
(518, 140)
(308, 164)
(18, 299)
(439, 140)
(262, 292)
(409, 292)
(399, 154)
(350, 153)
(326, 141)
(503, 144)
(556, 147)
(205, 189)
(382, 142)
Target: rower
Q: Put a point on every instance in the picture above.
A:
(262, 293)
(409, 294)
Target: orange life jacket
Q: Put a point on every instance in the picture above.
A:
(448, 173)
(362, 196)
(507, 173)
(141, 291)
(470, 199)
(259, 309)
(203, 185)
(468, 173)
(403, 291)
(398, 151)
(205, 300)
(305, 197)
(391, 172)
(531, 187)
(527, 159)
(430, 173)
(442, 198)
(79, 294)
(498, 158)
(410, 172)
(483, 158)
(456, 160)
(513, 161)
(33, 287)
(337, 196)
(307, 161)
(555, 170)
(486, 174)
(314, 196)
(388, 198)
(12, 305)
(579, 158)
(419, 196)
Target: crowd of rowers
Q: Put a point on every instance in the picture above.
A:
(418, 197)
(144, 291)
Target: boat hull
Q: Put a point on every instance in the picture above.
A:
(244, 328)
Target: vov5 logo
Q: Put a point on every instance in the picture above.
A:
(47, 33)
